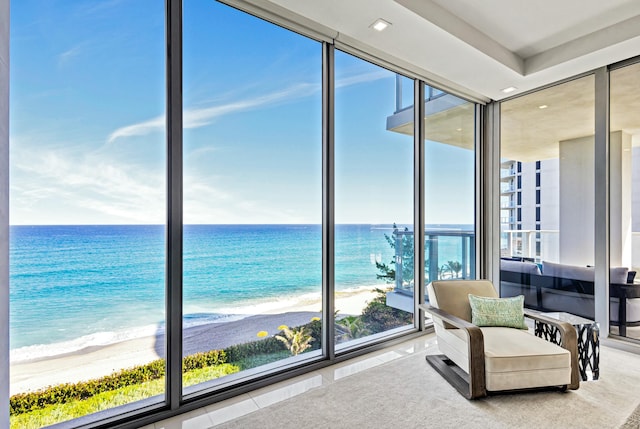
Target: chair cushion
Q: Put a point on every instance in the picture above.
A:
(516, 359)
(506, 312)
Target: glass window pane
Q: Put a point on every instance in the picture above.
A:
(449, 188)
(551, 133)
(87, 205)
(252, 194)
(624, 214)
(373, 203)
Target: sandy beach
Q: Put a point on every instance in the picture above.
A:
(96, 362)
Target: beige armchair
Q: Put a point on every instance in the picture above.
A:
(482, 360)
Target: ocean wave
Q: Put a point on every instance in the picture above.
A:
(98, 339)
(102, 339)
(194, 316)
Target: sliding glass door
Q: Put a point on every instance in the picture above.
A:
(624, 209)
(547, 198)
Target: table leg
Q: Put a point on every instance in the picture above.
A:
(622, 315)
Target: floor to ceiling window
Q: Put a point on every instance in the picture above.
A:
(87, 209)
(91, 163)
(449, 187)
(547, 197)
(373, 202)
(252, 194)
(624, 209)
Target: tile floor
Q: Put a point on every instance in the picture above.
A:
(238, 406)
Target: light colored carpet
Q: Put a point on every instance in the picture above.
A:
(408, 393)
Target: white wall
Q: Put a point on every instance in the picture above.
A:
(550, 208)
(550, 195)
(577, 199)
(620, 199)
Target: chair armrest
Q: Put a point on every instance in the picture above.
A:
(475, 343)
(447, 317)
(568, 341)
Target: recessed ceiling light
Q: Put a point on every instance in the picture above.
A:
(543, 106)
(508, 89)
(380, 24)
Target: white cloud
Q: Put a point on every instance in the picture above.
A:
(363, 78)
(71, 53)
(89, 186)
(200, 117)
(139, 129)
(195, 118)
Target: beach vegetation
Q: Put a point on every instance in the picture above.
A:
(296, 340)
(315, 330)
(455, 267)
(379, 317)
(59, 412)
(262, 359)
(69, 392)
(388, 270)
(353, 327)
(240, 352)
(72, 400)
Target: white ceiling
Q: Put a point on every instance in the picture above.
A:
(484, 46)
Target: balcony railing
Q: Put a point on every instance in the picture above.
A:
(530, 243)
(439, 263)
(405, 101)
(449, 254)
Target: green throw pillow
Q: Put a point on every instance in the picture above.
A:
(507, 312)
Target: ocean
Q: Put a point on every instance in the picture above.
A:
(78, 286)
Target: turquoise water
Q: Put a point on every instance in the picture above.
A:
(74, 286)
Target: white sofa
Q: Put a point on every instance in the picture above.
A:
(562, 287)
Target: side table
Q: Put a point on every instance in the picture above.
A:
(588, 341)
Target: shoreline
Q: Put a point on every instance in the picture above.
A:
(99, 361)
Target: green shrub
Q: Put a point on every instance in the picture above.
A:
(63, 393)
(241, 352)
(202, 360)
(379, 317)
(52, 414)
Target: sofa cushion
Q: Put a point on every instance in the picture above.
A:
(506, 312)
(617, 275)
(518, 359)
(519, 267)
(574, 272)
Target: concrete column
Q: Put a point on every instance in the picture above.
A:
(577, 200)
(620, 198)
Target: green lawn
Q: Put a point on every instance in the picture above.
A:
(102, 401)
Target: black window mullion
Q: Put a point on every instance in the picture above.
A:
(328, 201)
(174, 227)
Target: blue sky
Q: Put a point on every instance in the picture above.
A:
(87, 123)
